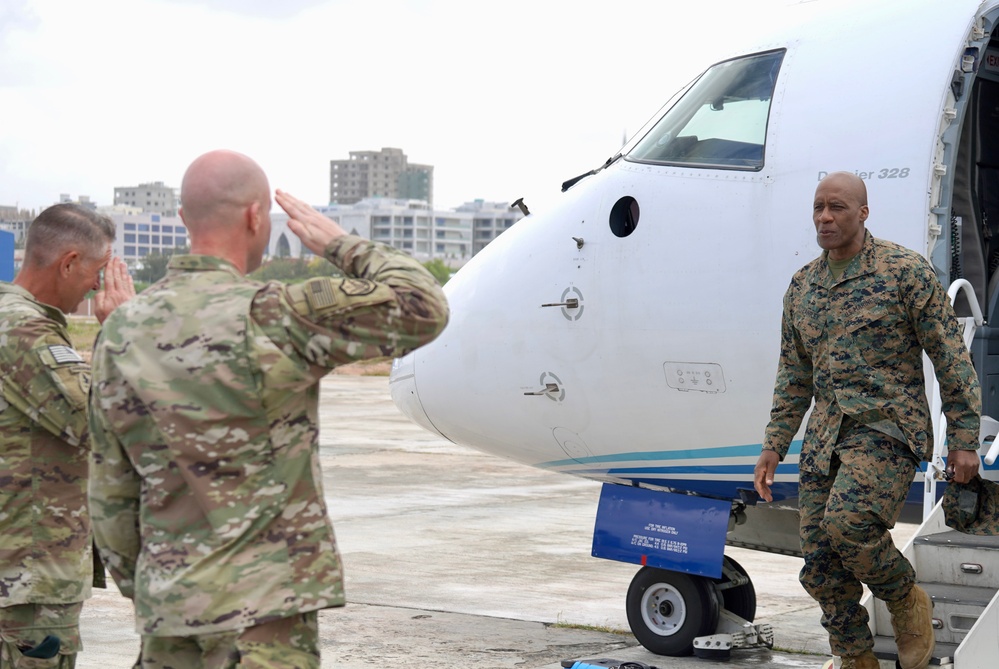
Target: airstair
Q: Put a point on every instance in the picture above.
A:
(959, 571)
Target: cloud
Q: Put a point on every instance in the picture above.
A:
(504, 99)
(17, 18)
(266, 9)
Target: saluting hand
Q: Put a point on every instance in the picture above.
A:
(315, 230)
(117, 289)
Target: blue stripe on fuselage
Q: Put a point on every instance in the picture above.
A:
(749, 450)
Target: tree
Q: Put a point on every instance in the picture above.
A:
(440, 270)
(154, 265)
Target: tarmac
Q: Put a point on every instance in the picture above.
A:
(460, 559)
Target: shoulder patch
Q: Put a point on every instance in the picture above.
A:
(357, 287)
(64, 354)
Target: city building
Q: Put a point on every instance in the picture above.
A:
(154, 197)
(139, 234)
(489, 220)
(386, 174)
(452, 236)
(82, 200)
(16, 221)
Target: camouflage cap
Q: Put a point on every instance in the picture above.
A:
(972, 507)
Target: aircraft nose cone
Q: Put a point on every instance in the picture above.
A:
(402, 385)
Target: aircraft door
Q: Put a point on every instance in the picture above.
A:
(976, 202)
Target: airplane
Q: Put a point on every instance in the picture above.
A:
(630, 334)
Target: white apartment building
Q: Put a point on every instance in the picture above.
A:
(139, 234)
(489, 220)
(452, 236)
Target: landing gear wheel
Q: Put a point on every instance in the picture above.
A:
(740, 600)
(667, 610)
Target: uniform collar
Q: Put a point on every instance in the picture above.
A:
(863, 263)
(54, 313)
(202, 263)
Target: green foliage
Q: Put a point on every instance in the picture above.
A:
(440, 270)
(154, 265)
(294, 270)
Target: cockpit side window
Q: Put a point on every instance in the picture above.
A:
(721, 122)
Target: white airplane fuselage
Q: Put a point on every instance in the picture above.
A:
(631, 333)
(662, 372)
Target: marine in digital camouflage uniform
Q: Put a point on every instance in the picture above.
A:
(46, 567)
(206, 490)
(856, 322)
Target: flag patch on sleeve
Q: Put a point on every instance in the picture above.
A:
(320, 295)
(64, 354)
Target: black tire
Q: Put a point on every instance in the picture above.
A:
(740, 600)
(667, 610)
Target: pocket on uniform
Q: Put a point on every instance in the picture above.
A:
(810, 321)
(866, 317)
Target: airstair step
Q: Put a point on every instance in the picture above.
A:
(956, 608)
(885, 649)
(954, 557)
(958, 539)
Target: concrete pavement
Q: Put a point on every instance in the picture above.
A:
(455, 558)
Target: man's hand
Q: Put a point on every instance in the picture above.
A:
(963, 465)
(763, 475)
(315, 230)
(117, 289)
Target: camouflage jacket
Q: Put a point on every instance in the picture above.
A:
(206, 489)
(45, 541)
(856, 346)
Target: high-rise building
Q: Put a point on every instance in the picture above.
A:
(154, 198)
(386, 173)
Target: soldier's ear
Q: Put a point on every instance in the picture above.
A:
(67, 261)
(253, 218)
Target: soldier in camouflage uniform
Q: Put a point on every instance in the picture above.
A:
(46, 566)
(856, 322)
(206, 490)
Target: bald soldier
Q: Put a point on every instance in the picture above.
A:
(46, 560)
(206, 489)
(856, 322)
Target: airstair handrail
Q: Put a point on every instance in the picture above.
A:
(977, 319)
(935, 468)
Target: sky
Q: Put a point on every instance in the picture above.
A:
(505, 99)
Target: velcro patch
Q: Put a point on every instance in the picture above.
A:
(357, 287)
(64, 354)
(319, 295)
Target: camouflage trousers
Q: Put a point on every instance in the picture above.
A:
(24, 626)
(288, 643)
(845, 518)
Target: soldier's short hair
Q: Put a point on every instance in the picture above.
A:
(67, 226)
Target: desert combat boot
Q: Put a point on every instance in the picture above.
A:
(911, 618)
(865, 661)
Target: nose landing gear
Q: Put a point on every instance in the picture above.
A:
(671, 613)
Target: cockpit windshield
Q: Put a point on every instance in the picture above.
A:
(721, 121)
